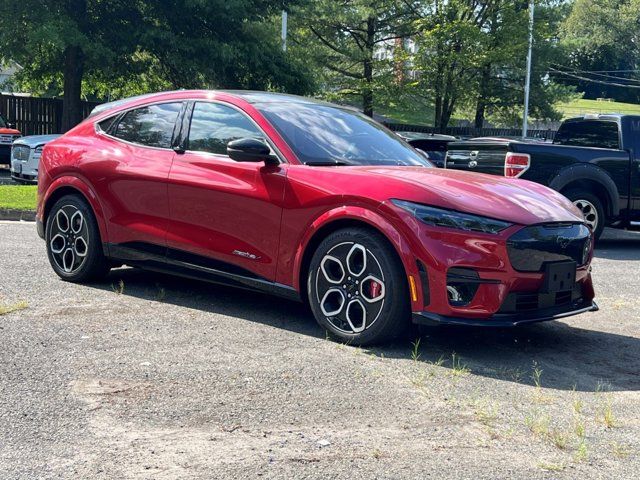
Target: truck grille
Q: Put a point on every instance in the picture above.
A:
(530, 248)
(21, 152)
(7, 139)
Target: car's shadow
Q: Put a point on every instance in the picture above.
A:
(618, 245)
(569, 357)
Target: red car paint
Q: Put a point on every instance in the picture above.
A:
(210, 207)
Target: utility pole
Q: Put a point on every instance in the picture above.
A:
(527, 86)
(283, 35)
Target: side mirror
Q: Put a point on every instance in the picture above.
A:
(250, 150)
(10, 124)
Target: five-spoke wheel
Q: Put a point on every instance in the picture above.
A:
(353, 278)
(73, 241)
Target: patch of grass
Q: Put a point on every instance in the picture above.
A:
(560, 438)
(579, 428)
(486, 413)
(606, 415)
(18, 197)
(5, 309)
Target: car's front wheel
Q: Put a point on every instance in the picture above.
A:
(357, 288)
(73, 241)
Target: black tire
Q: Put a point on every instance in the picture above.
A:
(590, 202)
(93, 265)
(380, 276)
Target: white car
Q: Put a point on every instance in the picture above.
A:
(25, 157)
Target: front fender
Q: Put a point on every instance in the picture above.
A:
(75, 183)
(364, 215)
(582, 171)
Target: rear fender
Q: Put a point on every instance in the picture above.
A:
(75, 183)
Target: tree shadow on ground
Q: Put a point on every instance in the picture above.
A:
(570, 357)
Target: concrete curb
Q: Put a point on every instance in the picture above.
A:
(17, 215)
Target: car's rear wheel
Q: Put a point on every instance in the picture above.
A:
(357, 288)
(73, 241)
(591, 207)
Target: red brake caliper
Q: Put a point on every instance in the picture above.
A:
(374, 289)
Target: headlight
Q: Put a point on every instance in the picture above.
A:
(439, 217)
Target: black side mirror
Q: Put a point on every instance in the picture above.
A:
(250, 150)
(11, 124)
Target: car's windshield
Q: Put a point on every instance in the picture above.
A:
(321, 134)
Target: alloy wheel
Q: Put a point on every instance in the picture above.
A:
(589, 212)
(69, 239)
(350, 287)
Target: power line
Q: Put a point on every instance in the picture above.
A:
(574, 70)
(585, 79)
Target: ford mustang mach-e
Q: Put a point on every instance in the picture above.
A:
(310, 201)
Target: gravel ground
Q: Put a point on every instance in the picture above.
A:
(147, 376)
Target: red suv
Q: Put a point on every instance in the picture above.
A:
(310, 201)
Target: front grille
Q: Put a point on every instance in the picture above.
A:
(21, 152)
(7, 139)
(526, 302)
(530, 248)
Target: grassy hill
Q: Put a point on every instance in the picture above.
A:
(582, 106)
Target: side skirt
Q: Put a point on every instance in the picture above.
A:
(176, 262)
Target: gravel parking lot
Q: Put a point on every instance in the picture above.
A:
(148, 376)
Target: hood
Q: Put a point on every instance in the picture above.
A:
(513, 200)
(35, 140)
(9, 131)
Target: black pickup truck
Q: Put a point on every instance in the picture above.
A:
(594, 161)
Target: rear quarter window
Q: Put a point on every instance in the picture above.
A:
(151, 125)
(589, 133)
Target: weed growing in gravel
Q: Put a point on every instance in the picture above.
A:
(579, 428)
(161, 294)
(537, 422)
(552, 467)
(486, 413)
(458, 369)
(439, 362)
(4, 309)
(118, 289)
(560, 438)
(606, 415)
(620, 450)
(415, 350)
(537, 375)
(582, 453)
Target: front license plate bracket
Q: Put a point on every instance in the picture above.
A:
(559, 276)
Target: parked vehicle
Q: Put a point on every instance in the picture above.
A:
(25, 157)
(432, 145)
(309, 201)
(8, 134)
(594, 161)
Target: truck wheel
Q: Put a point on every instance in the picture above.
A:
(591, 207)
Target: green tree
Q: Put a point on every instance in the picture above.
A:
(97, 47)
(602, 36)
(342, 37)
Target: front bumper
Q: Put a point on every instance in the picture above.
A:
(505, 320)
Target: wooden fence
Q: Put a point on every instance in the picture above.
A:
(36, 116)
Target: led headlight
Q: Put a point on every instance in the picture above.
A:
(440, 217)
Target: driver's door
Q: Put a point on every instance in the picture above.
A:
(224, 214)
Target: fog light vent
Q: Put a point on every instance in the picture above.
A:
(462, 285)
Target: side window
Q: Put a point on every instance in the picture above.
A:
(214, 125)
(151, 126)
(106, 124)
(588, 133)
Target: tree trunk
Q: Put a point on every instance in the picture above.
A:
(481, 104)
(367, 90)
(71, 102)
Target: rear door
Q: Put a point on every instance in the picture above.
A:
(224, 214)
(132, 179)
